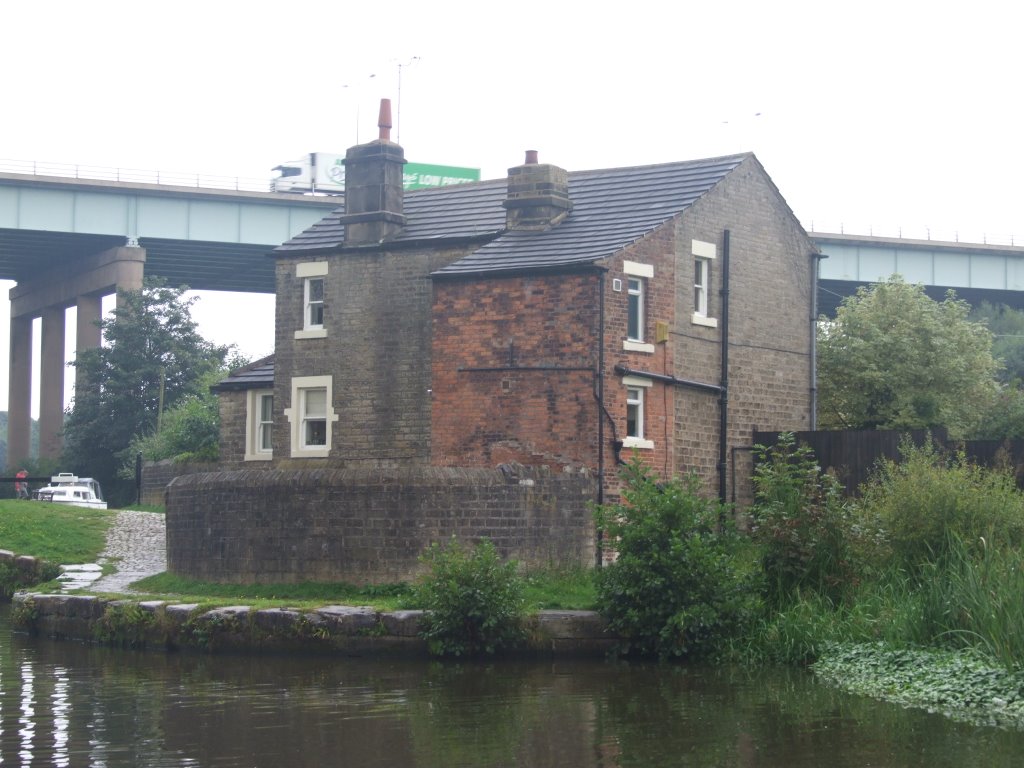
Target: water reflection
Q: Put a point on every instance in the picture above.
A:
(68, 704)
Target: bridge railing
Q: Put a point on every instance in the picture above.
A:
(913, 233)
(133, 175)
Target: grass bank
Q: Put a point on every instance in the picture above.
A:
(564, 588)
(53, 532)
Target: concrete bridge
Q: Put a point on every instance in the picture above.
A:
(70, 241)
(976, 271)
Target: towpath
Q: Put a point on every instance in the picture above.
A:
(136, 545)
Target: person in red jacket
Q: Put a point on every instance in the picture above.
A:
(20, 486)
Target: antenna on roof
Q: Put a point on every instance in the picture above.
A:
(398, 105)
(357, 90)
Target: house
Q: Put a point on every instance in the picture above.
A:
(548, 322)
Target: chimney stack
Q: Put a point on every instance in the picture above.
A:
(538, 195)
(374, 193)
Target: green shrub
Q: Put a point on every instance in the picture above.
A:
(474, 601)
(926, 497)
(676, 587)
(808, 531)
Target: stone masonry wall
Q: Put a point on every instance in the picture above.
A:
(369, 526)
(769, 324)
(157, 474)
(233, 417)
(376, 350)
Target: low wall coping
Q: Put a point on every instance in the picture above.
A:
(330, 629)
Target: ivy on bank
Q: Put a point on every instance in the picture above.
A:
(961, 685)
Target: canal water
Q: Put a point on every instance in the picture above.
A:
(69, 704)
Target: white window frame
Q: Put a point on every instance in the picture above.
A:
(635, 308)
(312, 308)
(641, 274)
(309, 418)
(301, 385)
(704, 255)
(639, 386)
(308, 272)
(255, 426)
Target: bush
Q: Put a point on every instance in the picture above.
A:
(808, 530)
(474, 602)
(190, 431)
(676, 587)
(926, 501)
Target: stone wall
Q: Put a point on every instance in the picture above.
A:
(157, 474)
(374, 347)
(368, 526)
(332, 629)
(233, 417)
(770, 323)
(21, 570)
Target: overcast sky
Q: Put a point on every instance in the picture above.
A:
(866, 115)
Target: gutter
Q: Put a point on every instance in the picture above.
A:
(666, 379)
(599, 394)
(723, 409)
(815, 269)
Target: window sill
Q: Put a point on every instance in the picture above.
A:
(311, 333)
(311, 453)
(638, 442)
(259, 456)
(637, 346)
(707, 322)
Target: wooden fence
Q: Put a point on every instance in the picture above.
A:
(851, 455)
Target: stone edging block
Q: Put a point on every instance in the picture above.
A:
(331, 629)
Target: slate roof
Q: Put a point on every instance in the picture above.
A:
(458, 211)
(257, 375)
(612, 208)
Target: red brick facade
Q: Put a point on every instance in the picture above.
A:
(514, 371)
(516, 359)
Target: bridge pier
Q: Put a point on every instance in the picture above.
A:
(48, 296)
(51, 382)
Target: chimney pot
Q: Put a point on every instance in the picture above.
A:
(531, 157)
(384, 120)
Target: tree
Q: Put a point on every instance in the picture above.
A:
(190, 430)
(896, 359)
(1007, 327)
(151, 360)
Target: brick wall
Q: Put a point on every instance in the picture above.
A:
(369, 526)
(657, 250)
(514, 362)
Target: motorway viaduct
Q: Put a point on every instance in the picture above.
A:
(69, 241)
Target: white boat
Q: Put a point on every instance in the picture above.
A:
(66, 488)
